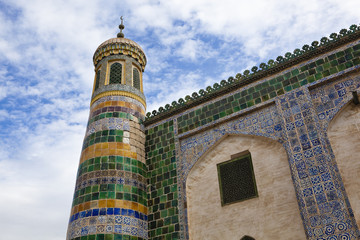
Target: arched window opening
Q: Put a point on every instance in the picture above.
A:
(247, 238)
(115, 73)
(136, 78)
(97, 80)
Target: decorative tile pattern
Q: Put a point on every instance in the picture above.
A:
(110, 188)
(266, 123)
(109, 101)
(120, 46)
(110, 199)
(108, 220)
(112, 123)
(115, 111)
(330, 98)
(313, 167)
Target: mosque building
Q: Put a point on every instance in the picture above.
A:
(272, 153)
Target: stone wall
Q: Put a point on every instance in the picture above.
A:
(273, 214)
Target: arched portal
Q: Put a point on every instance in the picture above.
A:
(273, 213)
(344, 136)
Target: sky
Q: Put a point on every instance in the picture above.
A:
(46, 78)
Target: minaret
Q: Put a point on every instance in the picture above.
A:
(110, 199)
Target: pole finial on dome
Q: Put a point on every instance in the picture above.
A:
(121, 27)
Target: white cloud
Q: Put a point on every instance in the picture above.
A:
(39, 179)
(177, 85)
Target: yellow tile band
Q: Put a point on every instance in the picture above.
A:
(109, 203)
(118, 93)
(106, 149)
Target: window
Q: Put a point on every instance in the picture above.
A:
(115, 73)
(236, 179)
(97, 80)
(136, 78)
(247, 238)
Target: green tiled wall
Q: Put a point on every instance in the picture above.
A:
(296, 78)
(112, 162)
(111, 190)
(103, 136)
(162, 182)
(111, 115)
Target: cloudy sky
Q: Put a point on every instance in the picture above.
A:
(46, 77)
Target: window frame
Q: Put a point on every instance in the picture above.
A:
(140, 77)
(96, 71)
(109, 64)
(242, 156)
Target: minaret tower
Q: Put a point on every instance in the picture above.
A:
(110, 200)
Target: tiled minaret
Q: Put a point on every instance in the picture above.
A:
(110, 200)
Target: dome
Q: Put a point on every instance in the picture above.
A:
(120, 45)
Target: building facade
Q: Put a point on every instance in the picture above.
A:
(272, 153)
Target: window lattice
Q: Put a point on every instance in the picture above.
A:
(237, 180)
(115, 73)
(97, 80)
(136, 78)
(247, 238)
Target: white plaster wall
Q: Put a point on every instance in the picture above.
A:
(273, 215)
(344, 136)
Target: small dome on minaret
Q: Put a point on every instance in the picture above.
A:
(119, 63)
(120, 45)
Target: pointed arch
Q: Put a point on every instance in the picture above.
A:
(338, 111)
(211, 144)
(343, 132)
(97, 80)
(136, 78)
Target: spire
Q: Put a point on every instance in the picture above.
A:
(121, 27)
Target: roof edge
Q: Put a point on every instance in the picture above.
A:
(265, 69)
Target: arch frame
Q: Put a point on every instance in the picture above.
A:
(263, 123)
(344, 87)
(139, 72)
(110, 63)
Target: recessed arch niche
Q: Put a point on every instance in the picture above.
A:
(274, 214)
(344, 136)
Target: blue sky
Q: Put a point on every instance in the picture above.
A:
(46, 78)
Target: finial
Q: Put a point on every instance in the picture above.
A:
(121, 27)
